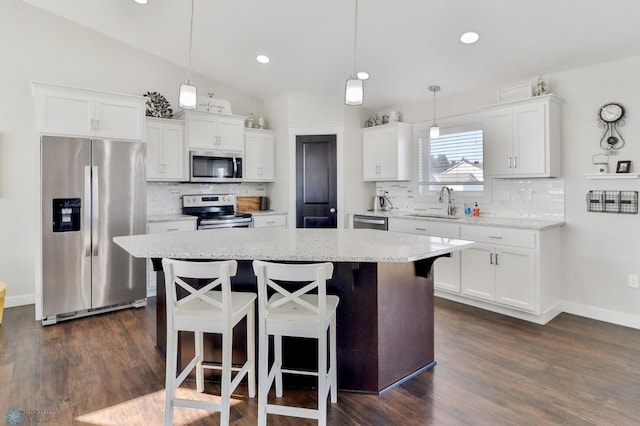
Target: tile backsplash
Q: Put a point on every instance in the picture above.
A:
(515, 198)
(166, 197)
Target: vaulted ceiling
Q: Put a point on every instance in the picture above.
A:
(405, 45)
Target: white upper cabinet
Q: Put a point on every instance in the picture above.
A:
(214, 132)
(69, 111)
(522, 138)
(166, 151)
(259, 156)
(386, 152)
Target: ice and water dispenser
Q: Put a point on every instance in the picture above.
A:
(66, 214)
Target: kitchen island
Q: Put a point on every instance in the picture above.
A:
(384, 281)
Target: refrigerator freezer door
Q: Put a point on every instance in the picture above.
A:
(119, 209)
(66, 264)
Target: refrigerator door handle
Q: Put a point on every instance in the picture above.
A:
(87, 211)
(95, 210)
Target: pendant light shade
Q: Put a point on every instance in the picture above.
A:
(354, 88)
(188, 92)
(188, 95)
(354, 91)
(434, 130)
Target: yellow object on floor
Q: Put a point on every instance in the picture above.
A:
(3, 289)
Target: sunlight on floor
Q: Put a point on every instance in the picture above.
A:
(149, 409)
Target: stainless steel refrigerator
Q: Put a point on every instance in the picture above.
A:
(92, 190)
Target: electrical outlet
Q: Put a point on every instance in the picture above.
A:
(633, 280)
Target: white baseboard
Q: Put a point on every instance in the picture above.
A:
(24, 299)
(619, 318)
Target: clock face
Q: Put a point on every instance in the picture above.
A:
(611, 113)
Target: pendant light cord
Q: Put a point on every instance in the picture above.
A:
(355, 41)
(190, 43)
(434, 107)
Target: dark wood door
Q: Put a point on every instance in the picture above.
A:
(316, 192)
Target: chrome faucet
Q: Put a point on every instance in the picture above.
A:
(451, 209)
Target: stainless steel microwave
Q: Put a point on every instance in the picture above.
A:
(214, 167)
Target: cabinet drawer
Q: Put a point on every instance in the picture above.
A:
(269, 220)
(174, 225)
(424, 227)
(499, 236)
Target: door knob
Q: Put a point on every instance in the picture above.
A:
(332, 210)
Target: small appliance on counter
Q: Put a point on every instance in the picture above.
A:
(381, 203)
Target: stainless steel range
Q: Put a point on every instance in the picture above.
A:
(215, 211)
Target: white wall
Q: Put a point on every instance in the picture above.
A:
(600, 249)
(38, 46)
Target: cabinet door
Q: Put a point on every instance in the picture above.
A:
(174, 152)
(370, 165)
(515, 278)
(529, 140)
(259, 158)
(478, 272)
(231, 134)
(64, 112)
(498, 139)
(446, 274)
(202, 132)
(119, 117)
(388, 155)
(154, 150)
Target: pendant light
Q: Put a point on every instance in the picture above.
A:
(188, 91)
(354, 88)
(434, 130)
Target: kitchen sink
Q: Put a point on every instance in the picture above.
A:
(433, 216)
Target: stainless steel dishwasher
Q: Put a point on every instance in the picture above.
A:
(370, 222)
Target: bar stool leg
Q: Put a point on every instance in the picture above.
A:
(251, 352)
(198, 337)
(333, 361)
(170, 388)
(227, 340)
(263, 373)
(322, 378)
(277, 362)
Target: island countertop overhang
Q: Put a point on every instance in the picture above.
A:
(311, 245)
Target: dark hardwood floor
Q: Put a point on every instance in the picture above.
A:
(492, 370)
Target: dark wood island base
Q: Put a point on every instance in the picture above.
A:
(385, 323)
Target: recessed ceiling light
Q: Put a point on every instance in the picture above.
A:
(141, 1)
(263, 59)
(362, 75)
(469, 37)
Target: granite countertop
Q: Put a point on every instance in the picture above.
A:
(169, 217)
(280, 244)
(504, 222)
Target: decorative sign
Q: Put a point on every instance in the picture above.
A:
(217, 105)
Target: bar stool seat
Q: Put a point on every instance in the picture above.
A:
(307, 312)
(213, 308)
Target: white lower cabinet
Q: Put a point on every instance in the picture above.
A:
(515, 272)
(271, 220)
(446, 269)
(164, 226)
(499, 274)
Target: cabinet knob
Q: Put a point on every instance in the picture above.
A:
(332, 210)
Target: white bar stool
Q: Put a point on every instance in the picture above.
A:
(207, 310)
(296, 314)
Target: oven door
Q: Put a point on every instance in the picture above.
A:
(224, 223)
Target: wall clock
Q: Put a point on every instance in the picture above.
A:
(611, 116)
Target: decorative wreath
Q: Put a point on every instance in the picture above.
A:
(158, 106)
